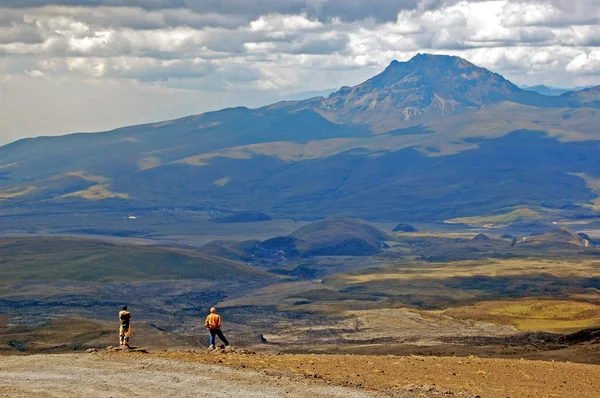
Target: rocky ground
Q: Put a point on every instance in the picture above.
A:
(110, 375)
(237, 373)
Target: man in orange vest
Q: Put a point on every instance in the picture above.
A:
(213, 323)
(124, 329)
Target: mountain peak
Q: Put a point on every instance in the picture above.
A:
(426, 86)
(429, 57)
(440, 60)
(434, 70)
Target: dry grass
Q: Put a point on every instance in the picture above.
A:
(163, 124)
(78, 333)
(519, 214)
(88, 177)
(447, 135)
(222, 182)
(17, 192)
(292, 152)
(149, 163)
(490, 268)
(9, 165)
(286, 151)
(97, 192)
(594, 185)
(502, 118)
(561, 316)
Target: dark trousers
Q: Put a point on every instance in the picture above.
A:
(217, 332)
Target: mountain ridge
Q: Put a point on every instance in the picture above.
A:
(425, 87)
(414, 135)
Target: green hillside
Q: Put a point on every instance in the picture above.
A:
(333, 236)
(432, 139)
(339, 235)
(63, 258)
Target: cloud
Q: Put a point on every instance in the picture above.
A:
(37, 74)
(323, 10)
(585, 64)
(246, 48)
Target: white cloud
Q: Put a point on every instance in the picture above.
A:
(520, 14)
(36, 74)
(245, 48)
(586, 63)
(280, 23)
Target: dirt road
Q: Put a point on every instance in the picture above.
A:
(187, 374)
(97, 375)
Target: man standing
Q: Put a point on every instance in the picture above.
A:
(213, 323)
(125, 329)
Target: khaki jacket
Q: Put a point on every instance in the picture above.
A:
(213, 321)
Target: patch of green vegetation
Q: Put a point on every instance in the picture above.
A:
(61, 258)
(518, 214)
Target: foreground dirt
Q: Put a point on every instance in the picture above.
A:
(117, 375)
(493, 378)
(190, 374)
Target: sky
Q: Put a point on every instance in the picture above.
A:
(75, 65)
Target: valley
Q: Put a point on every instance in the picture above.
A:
(364, 291)
(435, 214)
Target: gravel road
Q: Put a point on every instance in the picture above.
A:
(93, 375)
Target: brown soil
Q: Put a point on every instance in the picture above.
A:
(239, 374)
(489, 378)
(142, 375)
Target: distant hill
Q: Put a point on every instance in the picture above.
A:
(340, 236)
(404, 228)
(431, 139)
(230, 249)
(62, 258)
(308, 94)
(481, 238)
(560, 236)
(587, 97)
(334, 236)
(545, 90)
